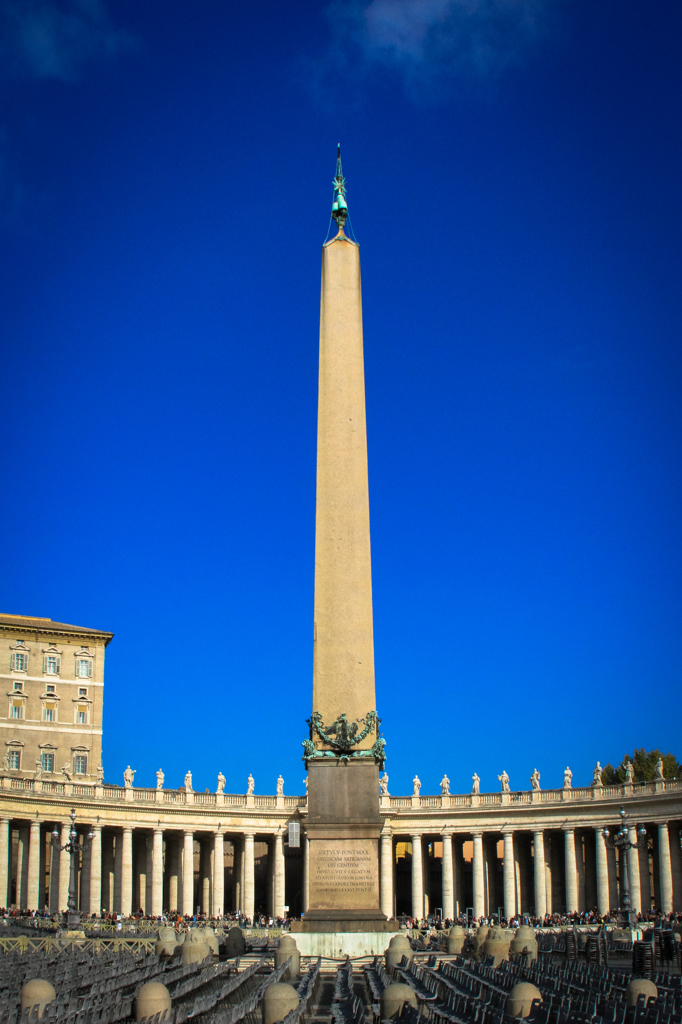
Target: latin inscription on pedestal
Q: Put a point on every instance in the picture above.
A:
(344, 874)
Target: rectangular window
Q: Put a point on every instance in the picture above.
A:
(47, 762)
(80, 764)
(294, 834)
(18, 685)
(50, 688)
(83, 668)
(51, 664)
(82, 718)
(17, 710)
(82, 691)
(19, 661)
(49, 713)
(15, 759)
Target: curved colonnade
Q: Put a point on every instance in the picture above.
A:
(531, 852)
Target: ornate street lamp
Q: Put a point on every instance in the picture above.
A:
(622, 842)
(73, 848)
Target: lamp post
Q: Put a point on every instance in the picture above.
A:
(622, 842)
(73, 848)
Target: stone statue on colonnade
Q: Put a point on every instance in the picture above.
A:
(568, 775)
(535, 779)
(629, 772)
(221, 783)
(159, 779)
(188, 782)
(280, 786)
(445, 786)
(250, 785)
(659, 769)
(383, 784)
(504, 782)
(475, 783)
(128, 776)
(416, 785)
(596, 776)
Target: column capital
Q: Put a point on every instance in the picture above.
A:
(386, 830)
(416, 836)
(568, 829)
(158, 831)
(508, 831)
(189, 832)
(477, 833)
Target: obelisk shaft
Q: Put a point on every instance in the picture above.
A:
(343, 661)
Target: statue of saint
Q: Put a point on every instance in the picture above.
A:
(221, 783)
(39, 769)
(5, 761)
(66, 771)
(596, 776)
(629, 773)
(475, 783)
(383, 784)
(445, 786)
(568, 775)
(188, 782)
(416, 786)
(280, 786)
(305, 783)
(128, 776)
(250, 785)
(659, 769)
(100, 774)
(504, 781)
(535, 779)
(159, 779)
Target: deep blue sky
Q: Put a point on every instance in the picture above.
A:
(513, 171)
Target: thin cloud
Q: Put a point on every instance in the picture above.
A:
(430, 43)
(52, 39)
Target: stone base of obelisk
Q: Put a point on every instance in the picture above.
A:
(337, 945)
(343, 830)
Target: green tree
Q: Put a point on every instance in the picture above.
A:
(645, 767)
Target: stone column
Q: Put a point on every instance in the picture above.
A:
(457, 874)
(173, 855)
(676, 863)
(33, 865)
(125, 872)
(509, 880)
(613, 877)
(665, 869)
(589, 840)
(64, 868)
(602, 873)
(238, 843)
(96, 871)
(107, 872)
(148, 869)
(219, 875)
(157, 873)
(448, 878)
(205, 873)
(580, 871)
(633, 871)
(539, 880)
(644, 876)
(306, 871)
(4, 862)
(478, 876)
(417, 878)
(249, 881)
(280, 899)
(387, 872)
(86, 850)
(188, 874)
(571, 874)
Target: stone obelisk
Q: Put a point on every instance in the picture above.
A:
(344, 751)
